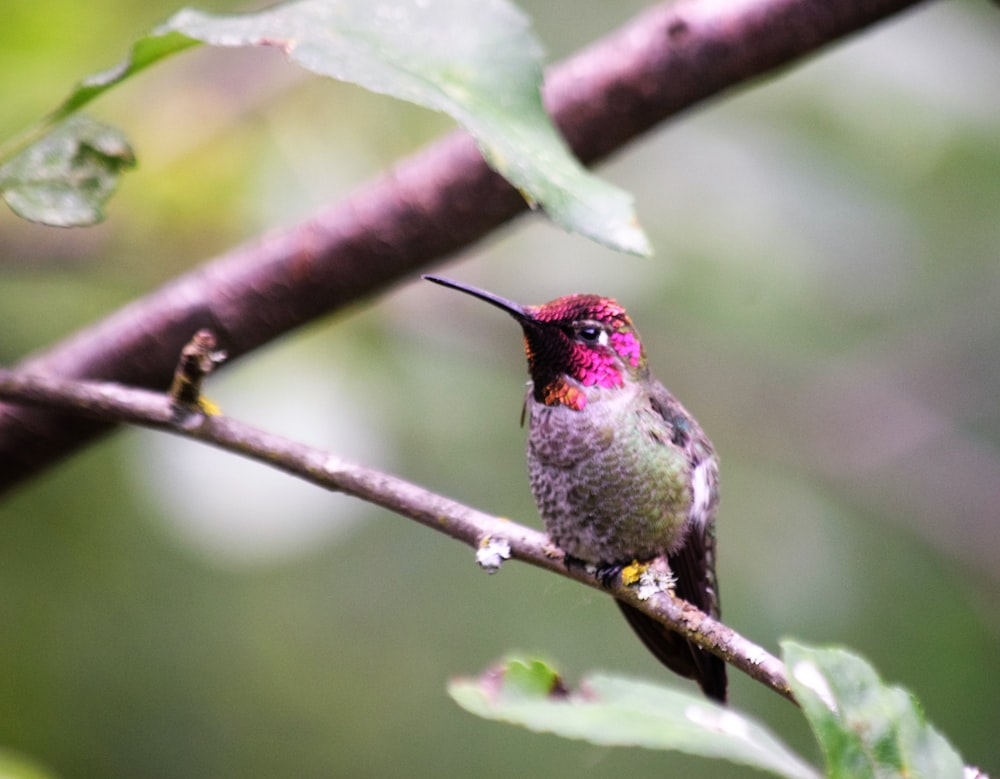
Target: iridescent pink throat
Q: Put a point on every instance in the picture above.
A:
(594, 367)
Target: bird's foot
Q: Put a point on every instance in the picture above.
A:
(609, 574)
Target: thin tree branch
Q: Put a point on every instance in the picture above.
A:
(116, 403)
(431, 205)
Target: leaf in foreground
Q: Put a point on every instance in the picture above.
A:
(14, 765)
(866, 728)
(65, 178)
(475, 60)
(613, 711)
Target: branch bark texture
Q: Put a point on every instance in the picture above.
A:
(116, 403)
(429, 206)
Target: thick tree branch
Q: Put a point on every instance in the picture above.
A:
(114, 403)
(431, 205)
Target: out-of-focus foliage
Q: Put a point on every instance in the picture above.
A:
(823, 298)
(15, 766)
(866, 728)
(65, 178)
(478, 62)
(616, 711)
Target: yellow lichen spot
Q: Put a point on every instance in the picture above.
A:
(632, 573)
(208, 408)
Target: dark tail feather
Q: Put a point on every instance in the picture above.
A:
(678, 654)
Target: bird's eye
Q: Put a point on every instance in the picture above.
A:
(592, 334)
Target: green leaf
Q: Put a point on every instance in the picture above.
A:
(613, 711)
(146, 51)
(866, 729)
(477, 61)
(16, 766)
(65, 178)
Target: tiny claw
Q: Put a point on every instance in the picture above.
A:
(575, 563)
(608, 575)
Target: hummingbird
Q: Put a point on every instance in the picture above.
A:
(619, 469)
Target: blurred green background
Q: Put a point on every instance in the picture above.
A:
(824, 298)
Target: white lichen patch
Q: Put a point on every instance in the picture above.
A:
(757, 655)
(491, 553)
(652, 582)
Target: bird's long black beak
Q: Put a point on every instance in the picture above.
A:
(514, 309)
